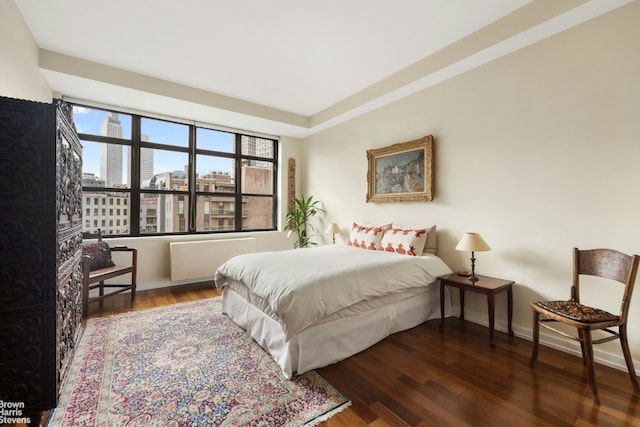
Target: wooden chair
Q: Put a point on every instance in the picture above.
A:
(604, 263)
(98, 266)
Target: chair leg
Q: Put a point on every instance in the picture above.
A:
(536, 338)
(101, 293)
(585, 335)
(627, 357)
(584, 355)
(133, 286)
(85, 291)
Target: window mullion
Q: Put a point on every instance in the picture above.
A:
(239, 195)
(134, 204)
(274, 210)
(192, 187)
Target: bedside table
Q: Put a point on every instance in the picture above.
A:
(489, 286)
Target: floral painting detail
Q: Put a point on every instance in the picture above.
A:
(184, 365)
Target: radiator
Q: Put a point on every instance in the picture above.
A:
(200, 259)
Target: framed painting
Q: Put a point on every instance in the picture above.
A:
(401, 172)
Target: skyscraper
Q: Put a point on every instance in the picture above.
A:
(146, 161)
(111, 154)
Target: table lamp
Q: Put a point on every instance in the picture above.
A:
(475, 243)
(333, 228)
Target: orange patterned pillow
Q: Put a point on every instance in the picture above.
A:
(406, 241)
(366, 236)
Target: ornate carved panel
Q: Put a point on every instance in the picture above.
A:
(40, 250)
(69, 309)
(69, 239)
(22, 355)
(22, 259)
(22, 158)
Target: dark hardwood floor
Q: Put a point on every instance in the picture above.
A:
(451, 377)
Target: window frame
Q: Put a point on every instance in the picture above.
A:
(192, 193)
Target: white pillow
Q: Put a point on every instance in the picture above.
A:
(406, 241)
(366, 236)
(431, 245)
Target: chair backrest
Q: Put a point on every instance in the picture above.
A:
(88, 235)
(606, 263)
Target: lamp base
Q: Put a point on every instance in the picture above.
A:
(472, 278)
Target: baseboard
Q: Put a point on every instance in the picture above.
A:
(611, 360)
(168, 283)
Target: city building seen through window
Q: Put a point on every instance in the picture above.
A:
(146, 176)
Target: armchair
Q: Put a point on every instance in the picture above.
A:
(98, 266)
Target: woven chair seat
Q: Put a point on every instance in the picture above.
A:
(578, 312)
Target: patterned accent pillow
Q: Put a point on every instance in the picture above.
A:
(406, 241)
(431, 244)
(366, 236)
(100, 255)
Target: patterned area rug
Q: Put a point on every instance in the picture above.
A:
(184, 365)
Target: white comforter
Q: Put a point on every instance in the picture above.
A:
(300, 286)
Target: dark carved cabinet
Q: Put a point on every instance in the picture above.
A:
(40, 250)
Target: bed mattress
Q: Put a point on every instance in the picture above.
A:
(339, 335)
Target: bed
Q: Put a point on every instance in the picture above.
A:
(315, 306)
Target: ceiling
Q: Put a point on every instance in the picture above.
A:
(280, 67)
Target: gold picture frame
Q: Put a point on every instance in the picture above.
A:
(401, 172)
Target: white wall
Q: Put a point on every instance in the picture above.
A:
(537, 151)
(19, 73)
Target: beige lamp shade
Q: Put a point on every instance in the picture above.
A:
(472, 242)
(333, 228)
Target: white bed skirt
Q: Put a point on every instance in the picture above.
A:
(324, 343)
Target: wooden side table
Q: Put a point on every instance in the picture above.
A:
(489, 286)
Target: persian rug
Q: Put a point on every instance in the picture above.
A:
(184, 365)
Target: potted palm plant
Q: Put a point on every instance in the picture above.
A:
(298, 220)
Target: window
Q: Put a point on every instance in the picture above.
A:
(178, 178)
